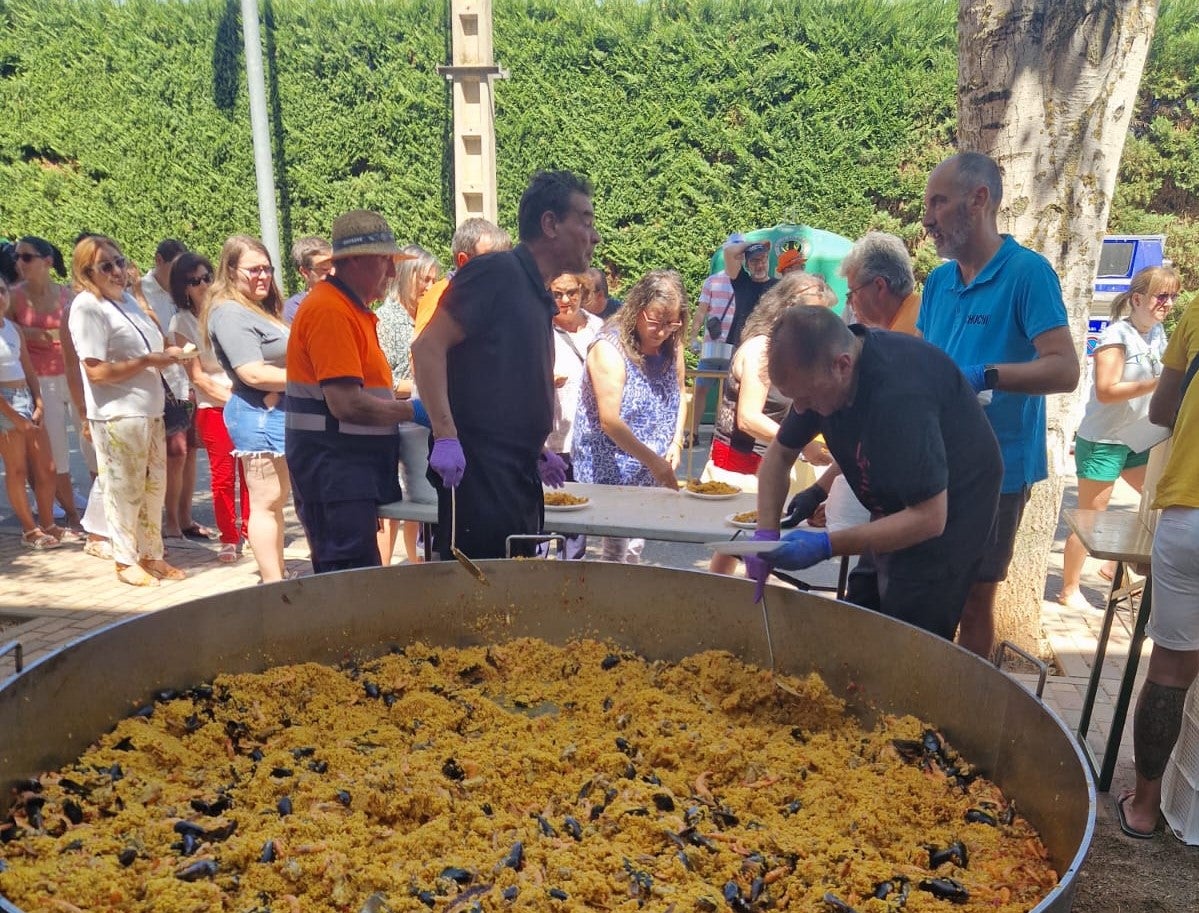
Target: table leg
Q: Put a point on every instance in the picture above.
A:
(1127, 683)
(428, 541)
(1088, 702)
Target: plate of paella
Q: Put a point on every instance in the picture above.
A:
(560, 500)
(710, 491)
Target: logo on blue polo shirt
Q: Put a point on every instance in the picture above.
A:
(980, 320)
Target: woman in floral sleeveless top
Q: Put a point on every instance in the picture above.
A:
(629, 427)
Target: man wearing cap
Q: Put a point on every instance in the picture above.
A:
(485, 366)
(750, 281)
(342, 441)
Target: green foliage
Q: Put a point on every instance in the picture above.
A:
(693, 118)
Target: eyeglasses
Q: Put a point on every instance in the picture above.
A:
(205, 279)
(26, 257)
(258, 272)
(1165, 298)
(657, 326)
(853, 291)
(113, 267)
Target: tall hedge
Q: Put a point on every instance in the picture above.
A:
(693, 118)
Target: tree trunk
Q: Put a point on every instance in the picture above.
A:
(1047, 88)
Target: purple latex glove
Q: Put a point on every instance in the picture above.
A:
(755, 568)
(448, 461)
(552, 469)
(800, 549)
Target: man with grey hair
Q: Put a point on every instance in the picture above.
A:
(473, 238)
(879, 273)
(996, 309)
(313, 259)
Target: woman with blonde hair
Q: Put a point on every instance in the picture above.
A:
(1127, 364)
(629, 425)
(244, 322)
(122, 355)
(396, 329)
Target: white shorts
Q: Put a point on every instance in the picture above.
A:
(1174, 619)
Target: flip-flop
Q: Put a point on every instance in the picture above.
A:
(197, 532)
(1128, 828)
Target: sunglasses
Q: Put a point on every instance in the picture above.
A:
(113, 267)
(26, 257)
(205, 279)
(1166, 298)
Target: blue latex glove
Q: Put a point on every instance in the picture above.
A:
(756, 569)
(420, 415)
(448, 461)
(976, 377)
(800, 549)
(552, 469)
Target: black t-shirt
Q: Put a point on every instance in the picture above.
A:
(501, 376)
(913, 430)
(746, 293)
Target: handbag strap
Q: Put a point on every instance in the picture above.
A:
(570, 342)
(149, 348)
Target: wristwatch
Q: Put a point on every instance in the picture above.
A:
(990, 377)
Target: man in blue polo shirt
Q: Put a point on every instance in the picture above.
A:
(996, 309)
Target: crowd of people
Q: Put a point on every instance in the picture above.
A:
(382, 379)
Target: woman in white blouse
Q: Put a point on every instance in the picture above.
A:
(121, 352)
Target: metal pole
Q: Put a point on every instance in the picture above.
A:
(264, 171)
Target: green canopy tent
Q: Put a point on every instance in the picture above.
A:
(825, 250)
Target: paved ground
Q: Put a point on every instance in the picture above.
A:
(49, 598)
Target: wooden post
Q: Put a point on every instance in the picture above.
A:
(472, 71)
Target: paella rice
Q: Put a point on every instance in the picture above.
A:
(520, 776)
(695, 486)
(563, 499)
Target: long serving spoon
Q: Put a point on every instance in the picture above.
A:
(475, 570)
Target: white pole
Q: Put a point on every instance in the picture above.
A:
(264, 174)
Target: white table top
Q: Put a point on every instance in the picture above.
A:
(623, 510)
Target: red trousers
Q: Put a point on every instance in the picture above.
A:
(226, 471)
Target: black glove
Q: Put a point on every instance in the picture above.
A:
(802, 506)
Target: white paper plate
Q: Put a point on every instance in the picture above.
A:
(739, 524)
(741, 546)
(695, 494)
(565, 507)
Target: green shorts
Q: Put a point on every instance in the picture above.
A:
(1105, 462)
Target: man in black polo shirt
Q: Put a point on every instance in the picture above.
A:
(909, 435)
(484, 368)
(749, 284)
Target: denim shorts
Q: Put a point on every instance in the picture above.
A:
(253, 429)
(21, 400)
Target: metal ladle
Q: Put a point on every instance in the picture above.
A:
(475, 570)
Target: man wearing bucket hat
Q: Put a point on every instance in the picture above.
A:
(485, 366)
(342, 441)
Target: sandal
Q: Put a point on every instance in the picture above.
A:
(65, 534)
(228, 553)
(156, 567)
(135, 576)
(98, 548)
(39, 540)
(197, 532)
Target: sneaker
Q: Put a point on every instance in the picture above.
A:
(98, 548)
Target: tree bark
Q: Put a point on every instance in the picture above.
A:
(1047, 88)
